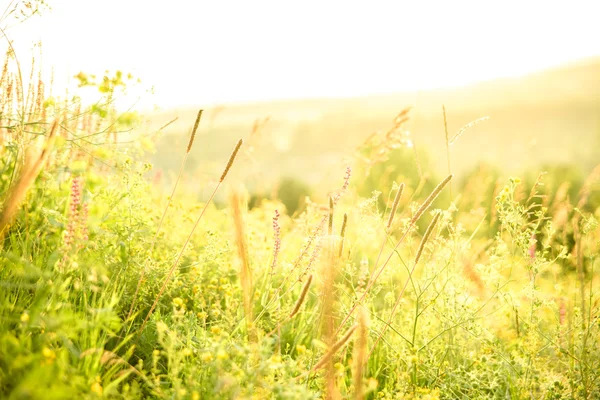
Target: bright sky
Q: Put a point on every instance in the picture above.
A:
(203, 52)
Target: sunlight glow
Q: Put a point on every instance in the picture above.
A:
(207, 52)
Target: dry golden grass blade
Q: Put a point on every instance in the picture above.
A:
(359, 355)
(586, 189)
(245, 272)
(336, 346)
(29, 172)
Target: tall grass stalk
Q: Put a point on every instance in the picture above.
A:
(295, 309)
(426, 204)
(301, 298)
(424, 241)
(245, 271)
(391, 217)
(187, 241)
(328, 306)
(360, 355)
(313, 239)
(343, 235)
(447, 147)
(395, 206)
(334, 349)
(160, 223)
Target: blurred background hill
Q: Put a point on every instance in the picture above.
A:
(548, 117)
(459, 54)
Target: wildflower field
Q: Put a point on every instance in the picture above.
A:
(114, 287)
(396, 283)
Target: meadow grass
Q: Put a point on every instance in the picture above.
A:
(110, 288)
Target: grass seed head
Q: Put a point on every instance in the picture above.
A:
(343, 234)
(302, 296)
(427, 203)
(426, 236)
(231, 159)
(395, 205)
(193, 136)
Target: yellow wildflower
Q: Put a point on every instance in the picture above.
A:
(301, 349)
(97, 388)
(222, 355)
(24, 317)
(276, 359)
(49, 355)
(178, 301)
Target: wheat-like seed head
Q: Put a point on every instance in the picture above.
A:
(466, 127)
(302, 296)
(231, 159)
(343, 234)
(586, 189)
(395, 205)
(426, 236)
(430, 199)
(193, 136)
